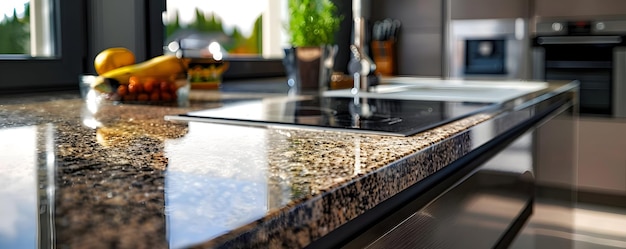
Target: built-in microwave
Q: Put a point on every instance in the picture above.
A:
(590, 51)
(488, 49)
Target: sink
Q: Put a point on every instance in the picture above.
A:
(446, 90)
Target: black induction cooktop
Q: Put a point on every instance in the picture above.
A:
(362, 115)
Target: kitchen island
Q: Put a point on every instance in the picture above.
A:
(124, 177)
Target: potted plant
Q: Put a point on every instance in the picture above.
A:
(312, 27)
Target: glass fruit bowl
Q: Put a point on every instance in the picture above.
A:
(103, 101)
(149, 90)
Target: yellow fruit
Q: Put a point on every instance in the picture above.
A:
(164, 66)
(112, 58)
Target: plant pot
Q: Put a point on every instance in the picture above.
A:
(309, 68)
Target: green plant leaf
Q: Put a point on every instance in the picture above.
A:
(312, 22)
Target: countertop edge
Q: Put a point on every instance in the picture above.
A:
(300, 225)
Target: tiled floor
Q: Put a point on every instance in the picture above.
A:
(580, 226)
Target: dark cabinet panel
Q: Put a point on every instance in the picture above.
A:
(489, 9)
(420, 54)
(578, 8)
(414, 14)
(420, 42)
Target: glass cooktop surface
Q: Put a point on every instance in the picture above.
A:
(362, 115)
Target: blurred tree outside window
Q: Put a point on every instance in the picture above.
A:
(26, 28)
(244, 28)
(211, 26)
(15, 30)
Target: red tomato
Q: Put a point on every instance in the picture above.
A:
(148, 84)
(166, 96)
(155, 96)
(173, 88)
(143, 97)
(122, 90)
(164, 85)
(135, 87)
(133, 80)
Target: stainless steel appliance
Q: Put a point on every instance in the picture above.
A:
(488, 48)
(591, 51)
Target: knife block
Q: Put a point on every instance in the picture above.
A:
(384, 55)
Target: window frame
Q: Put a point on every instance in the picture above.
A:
(33, 74)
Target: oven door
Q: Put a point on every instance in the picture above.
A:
(594, 61)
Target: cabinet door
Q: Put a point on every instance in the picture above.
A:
(601, 157)
(556, 153)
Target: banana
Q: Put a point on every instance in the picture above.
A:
(160, 66)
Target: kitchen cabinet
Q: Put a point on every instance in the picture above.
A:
(489, 9)
(578, 8)
(602, 161)
(583, 154)
(556, 152)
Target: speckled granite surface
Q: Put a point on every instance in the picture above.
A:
(126, 178)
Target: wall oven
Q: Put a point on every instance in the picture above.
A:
(591, 51)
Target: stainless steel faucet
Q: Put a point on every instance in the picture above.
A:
(360, 66)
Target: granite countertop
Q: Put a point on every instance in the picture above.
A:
(126, 178)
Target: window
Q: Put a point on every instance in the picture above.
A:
(256, 30)
(274, 38)
(47, 52)
(254, 37)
